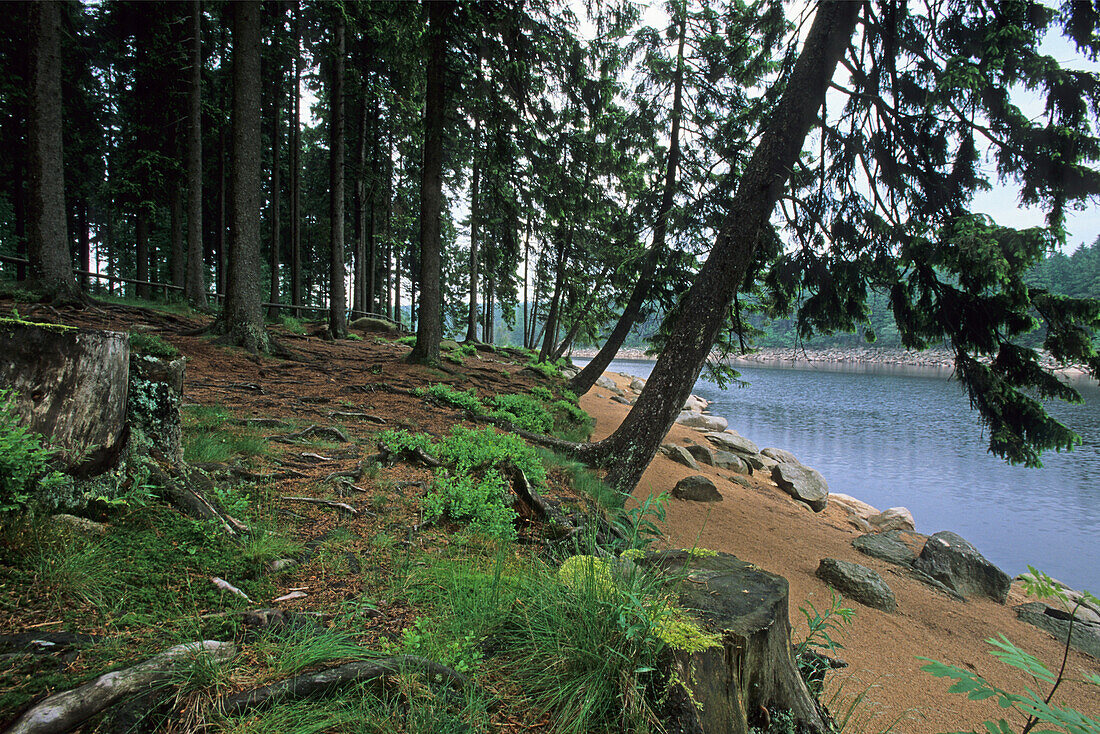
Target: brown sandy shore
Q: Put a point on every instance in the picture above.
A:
(762, 525)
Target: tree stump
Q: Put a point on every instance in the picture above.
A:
(752, 675)
(71, 387)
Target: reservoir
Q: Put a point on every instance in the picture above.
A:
(905, 436)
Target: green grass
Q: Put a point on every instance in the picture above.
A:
(289, 650)
(582, 479)
(208, 437)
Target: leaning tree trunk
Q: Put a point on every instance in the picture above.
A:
(751, 675)
(586, 378)
(628, 451)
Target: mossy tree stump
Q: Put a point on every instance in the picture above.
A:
(71, 386)
(752, 675)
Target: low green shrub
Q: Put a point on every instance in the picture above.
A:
(442, 393)
(408, 341)
(523, 411)
(151, 345)
(25, 469)
(542, 393)
(545, 369)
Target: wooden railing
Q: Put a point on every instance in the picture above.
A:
(218, 297)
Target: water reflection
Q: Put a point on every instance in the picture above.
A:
(906, 436)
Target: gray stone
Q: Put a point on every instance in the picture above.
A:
(731, 461)
(856, 507)
(569, 372)
(379, 326)
(1086, 636)
(696, 488)
(958, 565)
(802, 483)
(756, 463)
(281, 564)
(701, 453)
(729, 441)
(692, 419)
(623, 400)
(901, 547)
(605, 382)
(81, 525)
(680, 455)
(695, 404)
(637, 384)
(857, 582)
(781, 455)
(892, 518)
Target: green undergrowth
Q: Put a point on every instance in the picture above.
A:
(210, 437)
(25, 469)
(539, 411)
(151, 345)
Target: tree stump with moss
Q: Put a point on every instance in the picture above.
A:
(751, 678)
(71, 387)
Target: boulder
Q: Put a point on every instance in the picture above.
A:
(701, 453)
(692, 419)
(959, 566)
(605, 382)
(680, 455)
(569, 372)
(731, 441)
(1086, 636)
(756, 462)
(782, 456)
(622, 400)
(802, 483)
(859, 508)
(893, 518)
(637, 384)
(857, 582)
(901, 547)
(695, 404)
(377, 326)
(731, 461)
(448, 344)
(78, 525)
(696, 488)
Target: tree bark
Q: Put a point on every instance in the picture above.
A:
(628, 451)
(84, 243)
(587, 377)
(359, 282)
(47, 238)
(337, 313)
(295, 168)
(141, 247)
(177, 257)
(429, 328)
(243, 316)
(195, 285)
(475, 204)
(276, 186)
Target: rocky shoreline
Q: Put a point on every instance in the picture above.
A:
(943, 561)
(936, 359)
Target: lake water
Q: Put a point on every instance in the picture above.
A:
(906, 436)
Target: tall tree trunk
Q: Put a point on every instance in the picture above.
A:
(19, 203)
(195, 286)
(223, 223)
(47, 239)
(397, 285)
(141, 247)
(276, 184)
(359, 216)
(337, 312)
(429, 328)
(550, 328)
(84, 243)
(628, 451)
(176, 257)
(475, 214)
(295, 168)
(243, 315)
(586, 378)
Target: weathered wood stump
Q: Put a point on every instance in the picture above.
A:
(752, 675)
(71, 386)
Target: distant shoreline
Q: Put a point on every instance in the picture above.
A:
(938, 359)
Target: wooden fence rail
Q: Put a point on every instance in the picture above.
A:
(218, 297)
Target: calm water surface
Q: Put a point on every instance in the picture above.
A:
(906, 436)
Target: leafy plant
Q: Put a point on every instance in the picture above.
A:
(1038, 709)
(447, 395)
(152, 345)
(24, 462)
(408, 341)
(545, 369)
(523, 411)
(821, 626)
(482, 502)
(641, 523)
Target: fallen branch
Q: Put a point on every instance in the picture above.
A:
(322, 432)
(226, 586)
(357, 416)
(326, 503)
(353, 474)
(68, 709)
(324, 681)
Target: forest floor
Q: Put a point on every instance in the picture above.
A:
(147, 585)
